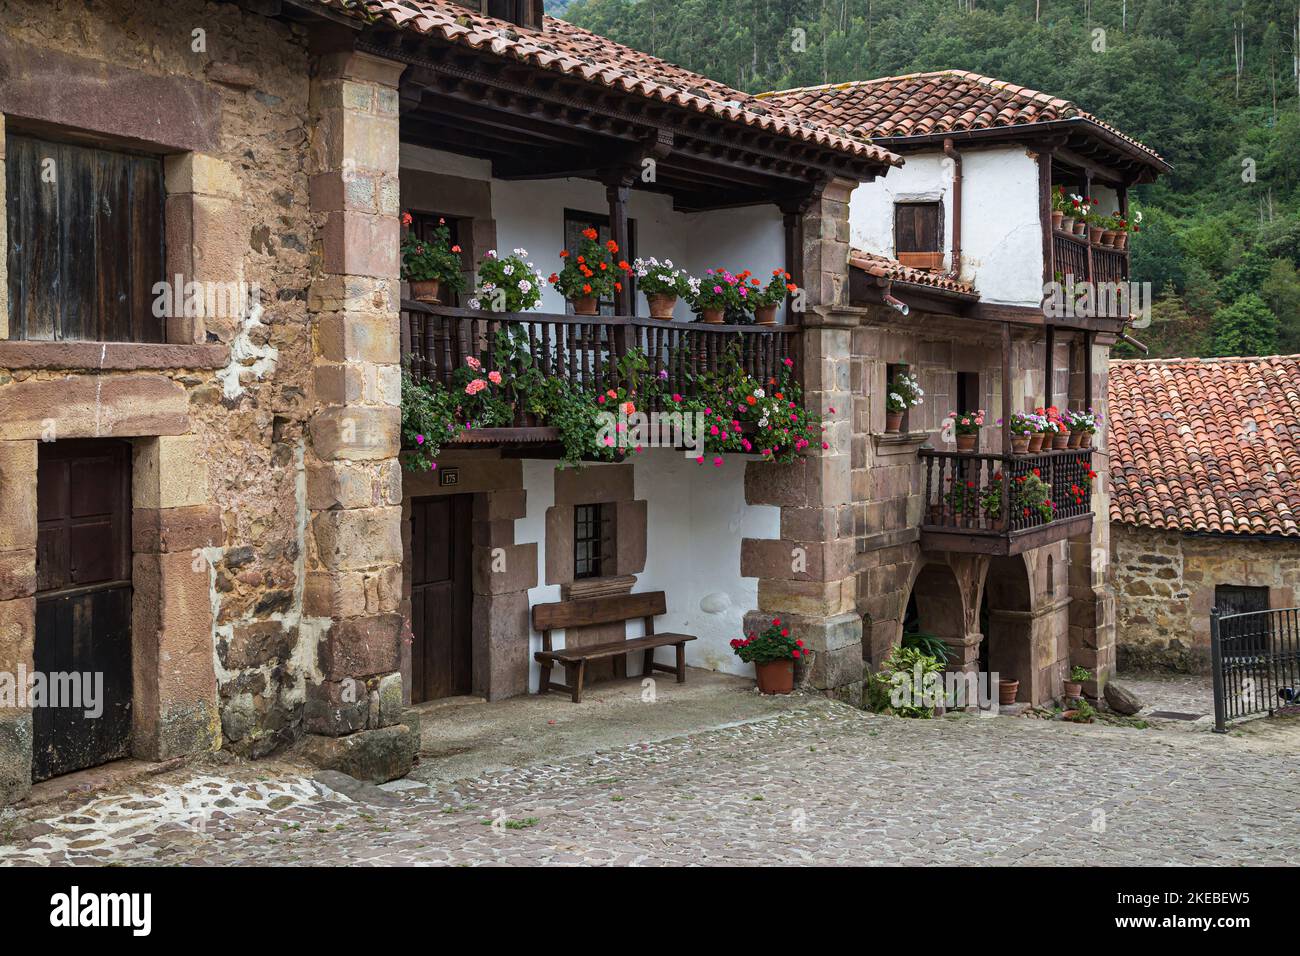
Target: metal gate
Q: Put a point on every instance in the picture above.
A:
(1255, 657)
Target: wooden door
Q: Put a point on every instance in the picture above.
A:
(440, 597)
(83, 601)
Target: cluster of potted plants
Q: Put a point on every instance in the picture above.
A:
(1075, 706)
(723, 296)
(1052, 428)
(967, 425)
(1070, 212)
(1074, 215)
(773, 652)
(904, 392)
(662, 284)
(593, 273)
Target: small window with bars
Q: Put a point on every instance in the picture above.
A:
(593, 541)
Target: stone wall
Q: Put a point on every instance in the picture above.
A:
(1164, 590)
(217, 414)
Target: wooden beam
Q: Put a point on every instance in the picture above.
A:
(1006, 404)
(616, 192)
(1049, 359)
(1087, 370)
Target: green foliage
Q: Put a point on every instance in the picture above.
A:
(773, 643)
(1246, 327)
(897, 679)
(929, 644)
(1084, 712)
(1080, 674)
(1166, 77)
(434, 259)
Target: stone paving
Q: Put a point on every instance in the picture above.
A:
(821, 784)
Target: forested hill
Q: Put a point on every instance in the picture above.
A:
(1210, 84)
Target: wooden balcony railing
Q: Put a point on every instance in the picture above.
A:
(1088, 262)
(437, 339)
(969, 507)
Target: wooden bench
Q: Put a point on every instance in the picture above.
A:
(604, 610)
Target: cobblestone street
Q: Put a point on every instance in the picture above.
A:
(820, 784)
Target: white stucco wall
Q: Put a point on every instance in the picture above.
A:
(530, 214)
(1002, 252)
(696, 517)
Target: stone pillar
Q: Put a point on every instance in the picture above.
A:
(175, 707)
(4, 244)
(354, 577)
(806, 577)
(17, 609)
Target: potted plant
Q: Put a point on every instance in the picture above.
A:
(1063, 209)
(1131, 224)
(765, 301)
(991, 502)
(592, 274)
(1082, 712)
(431, 266)
(967, 426)
(1008, 687)
(507, 284)
(1038, 433)
(963, 501)
(1110, 229)
(1022, 431)
(906, 684)
(1073, 687)
(1096, 226)
(1055, 427)
(663, 285)
(904, 393)
(773, 652)
(721, 295)
(1030, 496)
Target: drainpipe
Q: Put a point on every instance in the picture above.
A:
(951, 152)
(893, 302)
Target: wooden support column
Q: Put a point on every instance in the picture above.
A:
(1049, 358)
(1045, 215)
(1087, 237)
(792, 222)
(617, 191)
(1006, 423)
(1087, 370)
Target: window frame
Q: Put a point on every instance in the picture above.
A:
(600, 222)
(593, 541)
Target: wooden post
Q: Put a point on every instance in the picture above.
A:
(1087, 370)
(1045, 214)
(1006, 425)
(792, 221)
(1049, 359)
(617, 191)
(1087, 236)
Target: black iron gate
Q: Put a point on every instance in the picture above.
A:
(1255, 658)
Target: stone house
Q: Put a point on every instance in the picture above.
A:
(201, 494)
(1205, 502)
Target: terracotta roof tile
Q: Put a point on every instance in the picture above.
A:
(1206, 444)
(570, 49)
(944, 101)
(886, 268)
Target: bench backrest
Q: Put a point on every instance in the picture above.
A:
(598, 610)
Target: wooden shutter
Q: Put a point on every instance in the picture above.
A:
(85, 242)
(918, 227)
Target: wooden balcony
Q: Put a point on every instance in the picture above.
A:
(437, 339)
(959, 484)
(1088, 261)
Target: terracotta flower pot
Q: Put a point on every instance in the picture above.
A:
(1060, 440)
(1075, 438)
(426, 290)
(586, 305)
(1108, 237)
(1067, 224)
(936, 514)
(1057, 216)
(1071, 688)
(893, 421)
(1121, 240)
(775, 677)
(1086, 440)
(967, 442)
(1020, 444)
(1094, 234)
(765, 315)
(1080, 227)
(1036, 442)
(714, 316)
(661, 305)
(1007, 690)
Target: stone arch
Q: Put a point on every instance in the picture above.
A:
(946, 590)
(1023, 637)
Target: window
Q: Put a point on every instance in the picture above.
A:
(968, 392)
(1245, 635)
(593, 541)
(85, 242)
(422, 226)
(576, 221)
(892, 372)
(1236, 599)
(918, 234)
(526, 13)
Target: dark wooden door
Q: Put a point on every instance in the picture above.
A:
(440, 597)
(83, 602)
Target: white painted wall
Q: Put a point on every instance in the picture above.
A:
(1002, 252)
(530, 215)
(696, 516)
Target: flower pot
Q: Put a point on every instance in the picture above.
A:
(1067, 224)
(893, 421)
(1071, 689)
(936, 514)
(775, 677)
(967, 442)
(1086, 440)
(1060, 441)
(1094, 234)
(1121, 240)
(586, 305)
(714, 316)
(1075, 438)
(1036, 442)
(1007, 690)
(661, 305)
(1080, 227)
(1108, 237)
(765, 315)
(1019, 444)
(426, 290)
(1057, 216)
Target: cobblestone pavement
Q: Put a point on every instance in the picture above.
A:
(822, 784)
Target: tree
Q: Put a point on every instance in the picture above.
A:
(1280, 291)
(1246, 327)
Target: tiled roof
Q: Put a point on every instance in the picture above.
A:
(1206, 444)
(886, 268)
(923, 104)
(569, 49)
